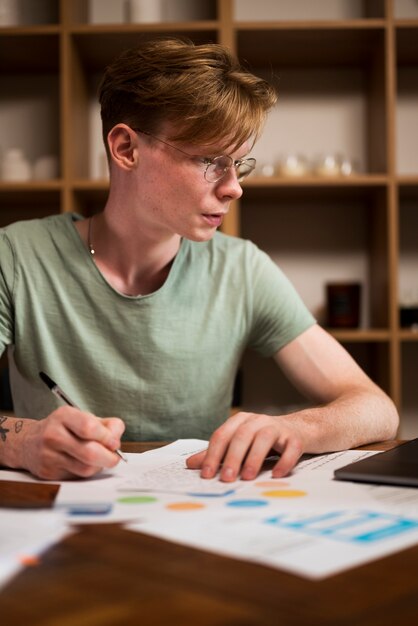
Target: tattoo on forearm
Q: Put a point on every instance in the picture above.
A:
(3, 431)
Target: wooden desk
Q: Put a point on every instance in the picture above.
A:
(107, 576)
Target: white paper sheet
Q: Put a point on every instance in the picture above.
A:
(26, 534)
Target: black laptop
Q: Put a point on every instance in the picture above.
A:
(398, 466)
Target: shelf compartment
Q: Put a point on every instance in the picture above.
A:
(89, 199)
(320, 46)
(22, 201)
(308, 11)
(117, 12)
(329, 102)
(98, 48)
(16, 47)
(407, 101)
(33, 12)
(344, 239)
(408, 411)
(30, 114)
(408, 246)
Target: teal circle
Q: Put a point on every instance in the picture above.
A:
(247, 503)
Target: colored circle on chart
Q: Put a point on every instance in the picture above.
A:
(185, 506)
(271, 483)
(137, 499)
(30, 560)
(247, 503)
(284, 493)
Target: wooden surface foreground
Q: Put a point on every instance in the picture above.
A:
(106, 576)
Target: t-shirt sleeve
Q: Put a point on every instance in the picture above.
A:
(6, 288)
(278, 313)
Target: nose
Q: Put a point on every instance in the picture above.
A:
(228, 186)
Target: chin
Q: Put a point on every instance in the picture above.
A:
(200, 237)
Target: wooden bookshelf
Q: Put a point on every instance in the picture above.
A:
(359, 67)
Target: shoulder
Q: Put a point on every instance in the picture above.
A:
(22, 235)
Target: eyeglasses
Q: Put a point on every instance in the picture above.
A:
(216, 167)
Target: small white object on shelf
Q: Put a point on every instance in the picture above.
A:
(9, 13)
(293, 165)
(15, 166)
(328, 165)
(266, 169)
(144, 11)
(46, 167)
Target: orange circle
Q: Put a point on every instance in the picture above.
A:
(185, 506)
(29, 560)
(284, 493)
(271, 483)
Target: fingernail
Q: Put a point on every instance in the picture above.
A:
(248, 473)
(227, 473)
(206, 471)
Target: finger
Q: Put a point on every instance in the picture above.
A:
(72, 467)
(59, 438)
(260, 450)
(195, 460)
(238, 449)
(249, 447)
(116, 427)
(290, 455)
(92, 454)
(88, 427)
(218, 445)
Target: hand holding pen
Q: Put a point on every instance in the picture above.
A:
(57, 391)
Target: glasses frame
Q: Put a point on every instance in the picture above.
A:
(208, 161)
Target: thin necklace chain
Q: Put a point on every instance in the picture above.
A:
(90, 246)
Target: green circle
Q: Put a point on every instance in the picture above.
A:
(137, 499)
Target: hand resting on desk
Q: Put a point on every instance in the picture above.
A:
(243, 442)
(68, 443)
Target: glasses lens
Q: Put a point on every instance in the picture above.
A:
(245, 168)
(217, 168)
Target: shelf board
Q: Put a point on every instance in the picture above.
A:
(357, 180)
(360, 335)
(87, 184)
(155, 27)
(406, 23)
(407, 179)
(36, 29)
(311, 25)
(408, 335)
(30, 186)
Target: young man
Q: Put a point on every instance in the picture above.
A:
(144, 310)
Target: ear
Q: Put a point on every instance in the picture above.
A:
(123, 146)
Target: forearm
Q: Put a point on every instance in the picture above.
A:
(355, 418)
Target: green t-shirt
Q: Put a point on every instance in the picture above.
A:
(165, 362)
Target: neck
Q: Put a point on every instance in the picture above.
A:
(133, 262)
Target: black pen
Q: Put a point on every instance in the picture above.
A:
(57, 391)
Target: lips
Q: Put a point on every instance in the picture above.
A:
(214, 219)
